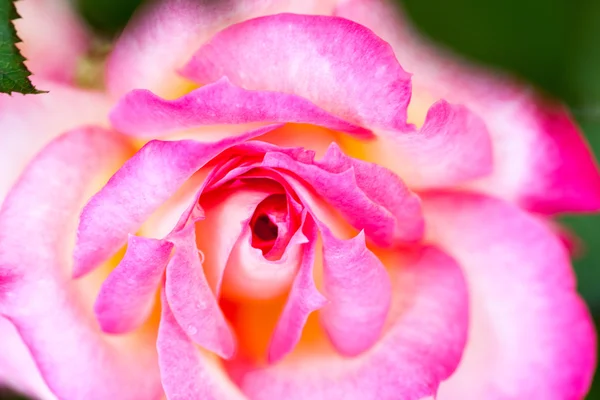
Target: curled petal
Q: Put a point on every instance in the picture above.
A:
(338, 65)
(453, 146)
(36, 291)
(359, 292)
(303, 299)
(127, 295)
(531, 335)
(191, 300)
(141, 113)
(143, 183)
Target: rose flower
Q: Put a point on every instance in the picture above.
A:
(285, 200)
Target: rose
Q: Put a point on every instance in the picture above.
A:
(280, 274)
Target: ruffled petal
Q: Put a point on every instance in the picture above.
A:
(54, 38)
(127, 295)
(36, 292)
(162, 37)
(336, 64)
(191, 300)
(531, 335)
(420, 347)
(541, 160)
(361, 191)
(187, 373)
(29, 123)
(359, 292)
(143, 183)
(141, 113)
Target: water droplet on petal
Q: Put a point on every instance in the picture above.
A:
(201, 305)
(192, 330)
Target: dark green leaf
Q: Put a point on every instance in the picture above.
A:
(14, 75)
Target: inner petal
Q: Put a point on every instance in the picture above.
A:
(272, 226)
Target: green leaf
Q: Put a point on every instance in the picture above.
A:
(14, 75)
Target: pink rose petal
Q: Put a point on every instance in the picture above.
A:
(36, 291)
(127, 295)
(54, 39)
(143, 183)
(143, 114)
(359, 292)
(361, 191)
(303, 299)
(185, 372)
(31, 122)
(163, 35)
(420, 347)
(336, 64)
(541, 160)
(531, 335)
(191, 300)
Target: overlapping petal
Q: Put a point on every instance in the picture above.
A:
(186, 373)
(141, 113)
(136, 190)
(420, 347)
(303, 299)
(336, 64)
(361, 191)
(37, 294)
(530, 334)
(541, 160)
(127, 295)
(163, 36)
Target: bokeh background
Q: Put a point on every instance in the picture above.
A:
(554, 44)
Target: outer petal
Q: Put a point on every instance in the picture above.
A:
(53, 39)
(162, 37)
(187, 373)
(28, 123)
(540, 158)
(359, 292)
(421, 346)
(138, 189)
(453, 136)
(353, 74)
(17, 367)
(141, 113)
(127, 295)
(531, 335)
(338, 65)
(36, 292)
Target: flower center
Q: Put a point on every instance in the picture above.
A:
(264, 229)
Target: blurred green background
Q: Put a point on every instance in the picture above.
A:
(555, 44)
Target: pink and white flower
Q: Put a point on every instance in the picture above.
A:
(285, 200)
